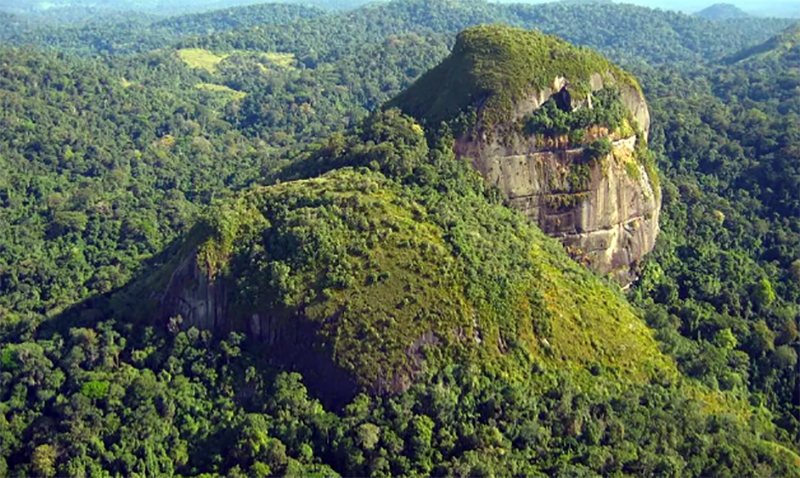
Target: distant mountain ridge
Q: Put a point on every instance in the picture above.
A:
(586, 2)
(655, 36)
(722, 11)
(155, 7)
(787, 41)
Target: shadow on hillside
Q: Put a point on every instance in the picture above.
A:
(119, 304)
(137, 305)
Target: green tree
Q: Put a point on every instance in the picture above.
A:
(725, 339)
(784, 357)
(43, 461)
(368, 436)
(598, 149)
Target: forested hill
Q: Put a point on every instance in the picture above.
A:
(152, 7)
(264, 91)
(625, 32)
(728, 263)
(236, 18)
(779, 48)
(116, 33)
(721, 11)
(140, 167)
(586, 2)
(11, 24)
(478, 346)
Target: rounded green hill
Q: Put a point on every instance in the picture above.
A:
(364, 283)
(494, 66)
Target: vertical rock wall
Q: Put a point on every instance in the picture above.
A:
(608, 218)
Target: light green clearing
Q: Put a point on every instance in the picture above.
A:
(201, 59)
(284, 60)
(209, 61)
(210, 87)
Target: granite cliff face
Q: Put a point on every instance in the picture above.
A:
(604, 208)
(608, 218)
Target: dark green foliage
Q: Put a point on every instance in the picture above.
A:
(118, 33)
(388, 142)
(98, 174)
(494, 66)
(632, 34)
(8, 360)
(598, 149)
(629, 33)
(236, 18)
(777, 46)
(728, 139)
(183, 404)
(552, 119)
(107, 159)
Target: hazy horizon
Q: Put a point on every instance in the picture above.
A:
(790, 8)
(694, 6)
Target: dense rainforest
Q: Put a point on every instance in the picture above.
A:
(122, 139)
(70, 10)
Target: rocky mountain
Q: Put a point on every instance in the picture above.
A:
(559, 130)
(362, 284)
(229, 260)
(394, 257)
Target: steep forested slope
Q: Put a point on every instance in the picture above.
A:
(782, 47)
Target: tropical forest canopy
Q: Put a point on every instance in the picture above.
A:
(124, 138)
(88, 8)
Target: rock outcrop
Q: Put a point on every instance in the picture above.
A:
(610, 220)
(211, 302)
(604, 209)
(610, 223)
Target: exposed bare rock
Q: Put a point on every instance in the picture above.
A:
(612, 222)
